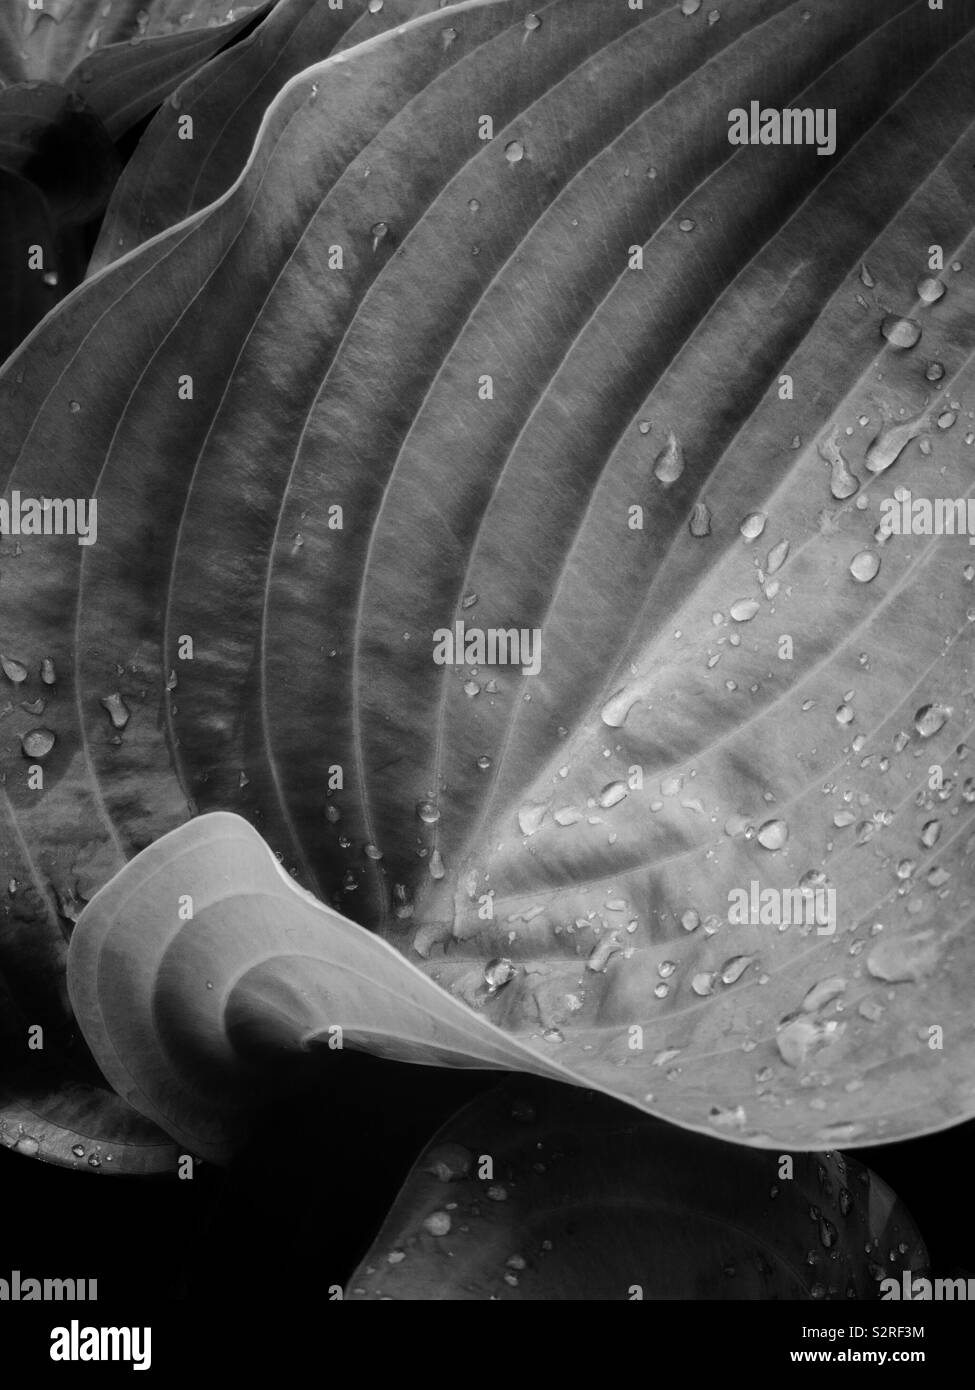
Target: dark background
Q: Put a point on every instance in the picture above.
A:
(299, 1209)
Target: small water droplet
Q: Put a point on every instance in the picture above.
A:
(931, 834)
(689, 7)
(437, 869)
(687, 224)
(13, 669)
(703, 983)
(934, 371)
(514, 151)
(50, 277)
(753, 525)
(616, 708)
(375, 6)
(691, 919)
(484, 762)
(866, 278)
(842, 482)
(532, 22)
(733, 969)
(428, 812)
(372, 851)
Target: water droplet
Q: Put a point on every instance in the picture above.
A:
(744, 609)
(845, 715)
(616, 708)
(37, 743)
(700, 522)
(931, 834)
(428, 811)
(437, 1223)
(753, 525)
(74, 407)
(372, 851)
(498, 972)
(473, 205)
(27, 1145)
(553, 1035)
(842, 482)
(687, 224)
(934, 371)
(532, 22)
(484, 762)
(691, 919)
(78, 1150)
(703, 983)
(612, 794)
(822, 994)
(530, 817)
(733, 969)
(812, 880)
(689, 7)
(866, 278)
(447, 37)
(798, 1039)
(448, 1162)
(514, 151)
(375, 6)
(865, 566)
(379, 231)
(669, 463)
(13, 669)
(899, 959)
(437, 869)
(50, 277)
(94, 1161)
(118, 711)
(931, 719)
(777, 557)
(47, 671)
(773, 834)
(930, 289)
(901, 332)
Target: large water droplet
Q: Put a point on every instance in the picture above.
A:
(842, 482)
(700, 522)
(733, 969)
(931, 834)
(931, 719)
(777, 557)
(118, 711)
(612, 793)
(437, 1223)
(773, 834)
(744, 609)
(669, 463)
(865, 566)
(498, 972)
(901, 332)
(616, 708)
(530, 817)
(798, 1039)
(891, 442)
(37, 743)
(753, 525)
(930, 289)
(822, 994)
(13, 669)
(899, 959)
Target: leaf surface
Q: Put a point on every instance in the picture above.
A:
(586, 1201)
(590, 822)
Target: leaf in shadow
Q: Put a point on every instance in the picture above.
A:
(168, 178)
(537, 1193)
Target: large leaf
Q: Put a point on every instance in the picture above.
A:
(315, 388)
(537, 1193)
(170, 177)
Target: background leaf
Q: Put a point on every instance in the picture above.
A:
(169, 178)
(316, 388)
(587, 1201)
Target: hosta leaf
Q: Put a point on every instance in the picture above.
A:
(78, 1125)
(50, 136)
(581, 1200)
(122, 56)
(588, 822)
(169, 177)
(48, 39)
(206, 981)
